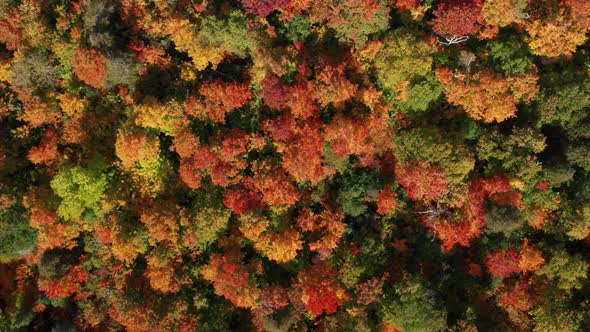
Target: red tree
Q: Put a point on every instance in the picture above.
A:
(387, 201)
(517, 296)
(90, 67)
(348, 135)
(457, 17)
(240, 200)
(263, 7)
(275, 186)
(302, 157)
(422, 180)
(320, 290)
(219, 98)
(66, 286)
(10, 33)
(231, 279)
(46, 151)
(503, 263)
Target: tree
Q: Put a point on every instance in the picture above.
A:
(353, 20)
(355, 191)
(422, 180)
(90, 66)
(484, 95)
(10, 32)
(580, 12)
(510, 56)
(215, 37)
(99, 18)
(556, 313)
(161, 271)
(302, 157)
(327, 228)
(503, 219)
(568, 271)
(263, 8)
(57, 263)
(33, 72)
(387, 201)
(439, 149)
(502, 12)
(221, 98)
(276, 187)
(514, 153)
(121, 70)
(413, 307)
(80, 190)
(531, 258)
(403, 57)
(282, 247)
(231, 279)
(320, 291)
(421, 94)
(133, 147)
(152, 113)
(66, 286)
(207, 225)
(332, 86)
(503, 263)
(240, 200)
(456, 18)
(46, 151)
(17, 235)
(553, 38)
(348, 135)
(161, 221)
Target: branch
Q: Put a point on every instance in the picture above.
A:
(453, 40)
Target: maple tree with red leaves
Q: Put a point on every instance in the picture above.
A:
(457, 17)
(263, 8)
(46, 151)
(320, 290)
(240, 200)
(422, 180)
(503, 263)
(387, 201)
(220, 98)
(65, 286)
(90, 67)
(231, 280)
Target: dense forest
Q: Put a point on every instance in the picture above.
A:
(295, 165)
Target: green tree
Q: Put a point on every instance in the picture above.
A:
(569, 271)
(502, 219)
(423, 92)
(354, 190)
(403, 57)
(17, 237)
(414, 308)
(430, 144)
(512, 154)
(510, 56)
(56, 263)
(555, 313)
(80, 189)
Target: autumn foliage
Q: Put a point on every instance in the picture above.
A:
(458, 17)
(294, 165)
(90, 67)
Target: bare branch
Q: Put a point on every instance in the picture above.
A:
(448, 41)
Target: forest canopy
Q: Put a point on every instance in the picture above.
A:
(294, 165)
